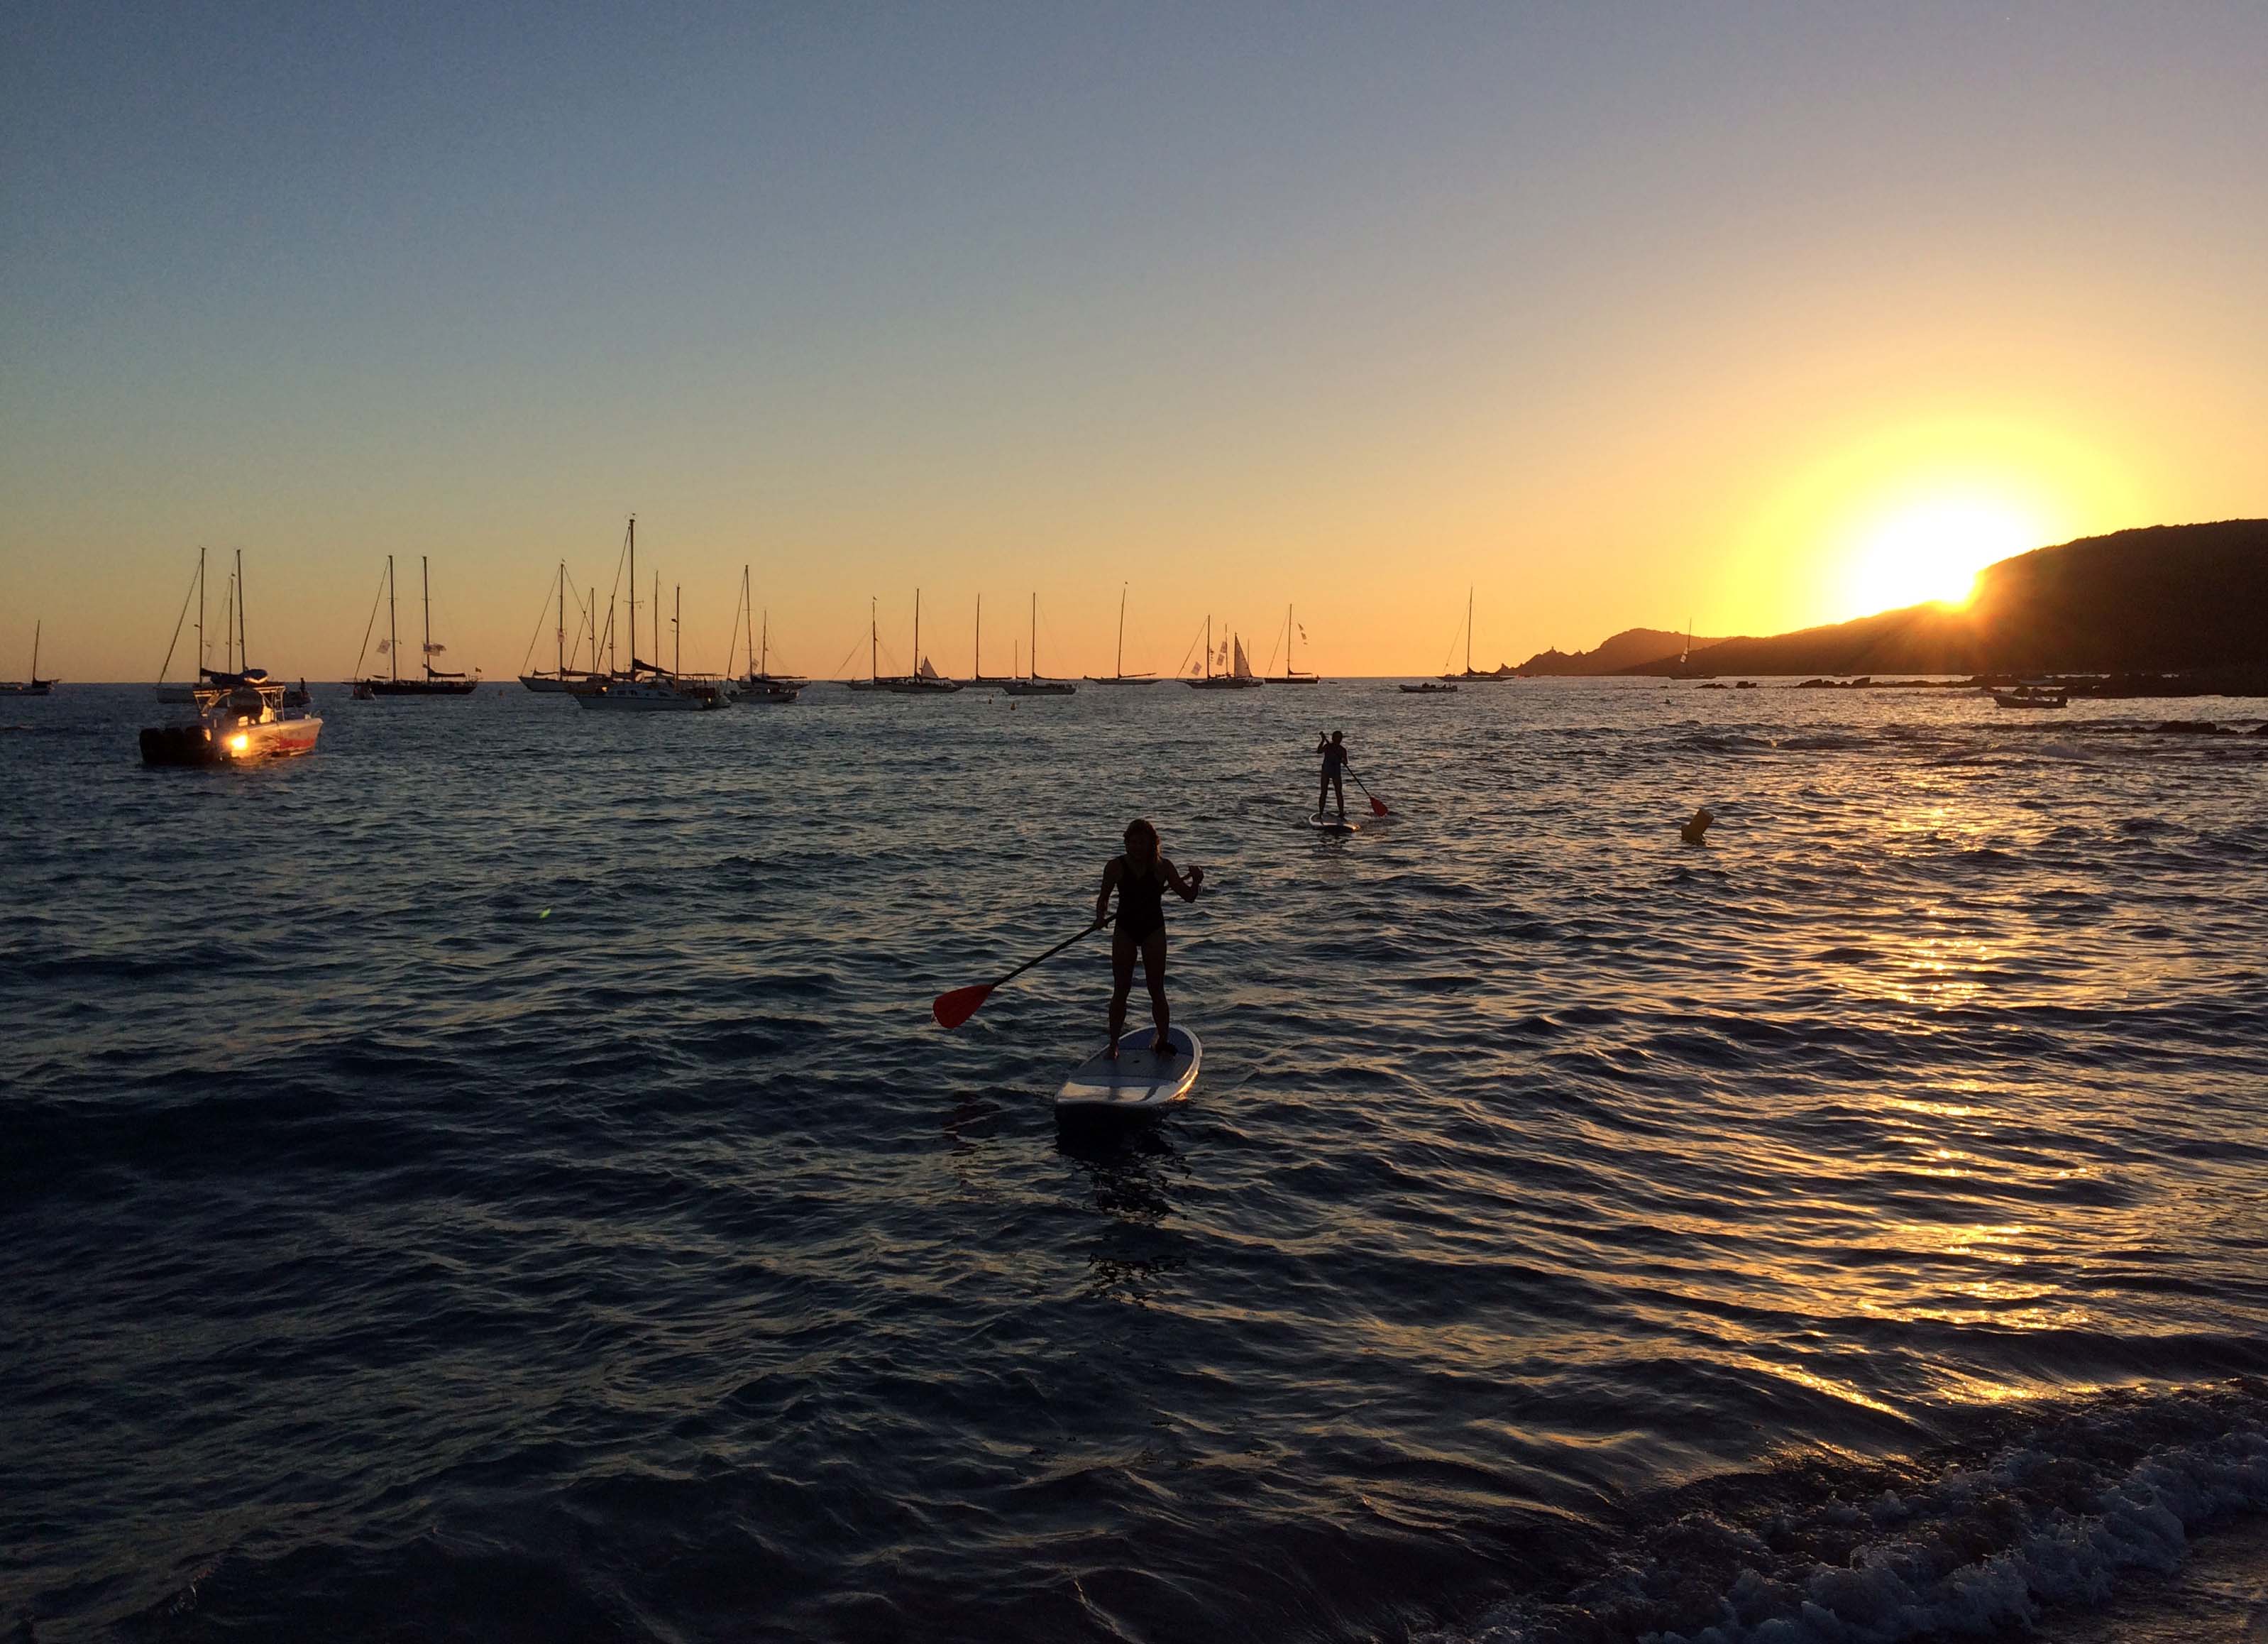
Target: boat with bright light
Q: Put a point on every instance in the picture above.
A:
(241, 715)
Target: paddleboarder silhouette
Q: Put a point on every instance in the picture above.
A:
(1333, 748)
(1140, 876)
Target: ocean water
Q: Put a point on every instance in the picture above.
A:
(496, 1178)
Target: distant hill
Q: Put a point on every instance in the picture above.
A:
(1628, 651)
(2159, 598)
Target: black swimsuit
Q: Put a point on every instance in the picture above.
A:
(1141, 902)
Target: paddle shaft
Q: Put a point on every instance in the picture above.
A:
(1051, 952)
(1366, 793)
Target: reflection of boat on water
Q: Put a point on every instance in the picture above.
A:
(34, 686)
(1034, 684)
(1122, 677)
(242, 716)
(2030, 697)
(1236, 671)
(434, 682)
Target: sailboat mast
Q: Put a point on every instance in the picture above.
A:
(748, 608)
(1035, 633)
(677, 633)
(980, 636)
(425, 583)
(243, 658)
(1468, 630)
(1208, 648)
(764, 662)
(560, 667)
(656, 609)
(917, 655)
(1122, 631)
(874, 623)
(392, 630)
(205, 657)
(35, 650)
(634, 593)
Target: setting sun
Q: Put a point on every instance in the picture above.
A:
(1933, 550)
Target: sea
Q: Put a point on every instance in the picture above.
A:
(498, 1177)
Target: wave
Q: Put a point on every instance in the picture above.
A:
(2041, 1507)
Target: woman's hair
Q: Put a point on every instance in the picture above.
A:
(1140, 829)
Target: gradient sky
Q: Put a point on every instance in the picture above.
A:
(1622, 314)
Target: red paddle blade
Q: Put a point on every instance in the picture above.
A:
(1378, 806)
(952, 1009)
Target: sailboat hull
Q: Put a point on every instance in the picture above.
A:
(367, 688)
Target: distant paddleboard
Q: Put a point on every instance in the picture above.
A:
(1139, 1079)
(1323, 823)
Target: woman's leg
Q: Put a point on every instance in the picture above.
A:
(1121, 983)
(1153, 975)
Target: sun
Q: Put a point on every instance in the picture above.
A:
(1933, 550)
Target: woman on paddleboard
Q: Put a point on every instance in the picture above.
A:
(1140, 878)
(1333, 749)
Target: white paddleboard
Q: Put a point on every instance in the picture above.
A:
(1323, 822)
(1138, 1079)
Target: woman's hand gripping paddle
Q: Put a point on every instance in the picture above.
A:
(1377, 805)
(952, 1009)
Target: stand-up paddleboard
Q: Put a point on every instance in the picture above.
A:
(1139, 1080)
(1324, 823)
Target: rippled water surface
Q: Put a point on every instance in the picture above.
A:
(497, 1179)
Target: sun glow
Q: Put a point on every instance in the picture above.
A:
(1933, 550)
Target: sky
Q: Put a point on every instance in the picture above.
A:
(1744, 315)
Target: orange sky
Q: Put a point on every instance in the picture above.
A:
(1755, 321)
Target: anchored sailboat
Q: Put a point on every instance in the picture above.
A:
(1122, 677)
(434, 681)
(980, 677)
(1501, 674)
(34, 686)
(649, 688)
(759, 683)
(241, 715)
(924, 680)
(1236, 672)
(1288, 676)
(558, 677)
(1034, 684)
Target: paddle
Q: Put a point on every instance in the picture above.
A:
(952, 1009)
(1377, 805)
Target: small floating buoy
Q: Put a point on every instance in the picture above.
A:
(1696, 828)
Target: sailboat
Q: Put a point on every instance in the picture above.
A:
(34, 686)
(1499, 675)
(873, 680)
(1033, 684)
(186, 691)
(759, 683)
(1288, 676)
(1122, 677)
(1237, 674)
(241, 715)
(924, 680)
(557, 678)
(648, 686)
(435, 683)
(980, 677)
